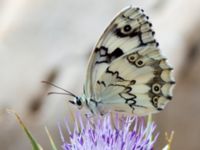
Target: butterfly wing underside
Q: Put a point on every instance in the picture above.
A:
(110, 74)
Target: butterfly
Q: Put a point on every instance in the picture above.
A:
(126, 71)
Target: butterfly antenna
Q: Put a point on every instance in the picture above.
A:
(67, 92)
(50, 93)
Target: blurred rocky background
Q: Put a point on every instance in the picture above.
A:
(51, 40)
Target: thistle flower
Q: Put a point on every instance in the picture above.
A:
(122, 133)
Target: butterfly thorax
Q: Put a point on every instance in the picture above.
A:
(88, 103)
(91, 104)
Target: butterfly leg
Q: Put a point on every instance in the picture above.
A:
(89, 115)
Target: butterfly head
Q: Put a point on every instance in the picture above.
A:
(78, 101)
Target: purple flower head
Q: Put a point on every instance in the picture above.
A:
(105, 133)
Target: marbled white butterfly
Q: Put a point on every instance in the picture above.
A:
(126, 72)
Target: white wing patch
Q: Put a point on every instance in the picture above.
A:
(126, 71)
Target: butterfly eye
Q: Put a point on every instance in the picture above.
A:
(156, 88)
(78, 102)
(139, 63)
(127, 28)
(132, 57)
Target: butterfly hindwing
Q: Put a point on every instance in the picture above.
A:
(129, 30)
(140, 80)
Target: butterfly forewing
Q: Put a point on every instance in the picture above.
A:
(123, 34)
